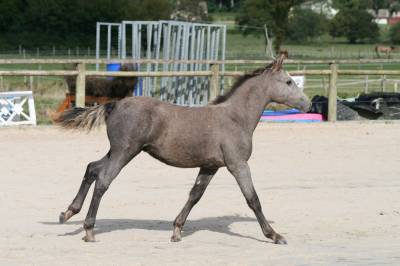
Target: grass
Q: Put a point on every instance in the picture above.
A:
(253, 47)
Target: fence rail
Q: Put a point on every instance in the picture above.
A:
(226, 62)
(215, 74)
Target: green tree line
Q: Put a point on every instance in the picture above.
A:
(288, 20)
(68, 23)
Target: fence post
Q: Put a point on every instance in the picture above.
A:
(383, 83)
(80, 85)
(214, 88)
(38, 78)
(366, 85)
(31, 83)
(332, 94)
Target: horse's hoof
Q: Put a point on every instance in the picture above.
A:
(280, 240)
(88, 239)
(61, 218)
(175, 238)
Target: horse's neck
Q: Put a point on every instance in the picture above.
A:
(248, 102)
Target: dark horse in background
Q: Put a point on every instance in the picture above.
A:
(118, 87)
(220, 137)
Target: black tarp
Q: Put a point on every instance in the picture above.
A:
(320, 106)
(376, 105)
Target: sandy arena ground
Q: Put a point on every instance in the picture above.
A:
(333, 190)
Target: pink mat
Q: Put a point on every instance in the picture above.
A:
(294, 117)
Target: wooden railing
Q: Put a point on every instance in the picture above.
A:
(215, 74)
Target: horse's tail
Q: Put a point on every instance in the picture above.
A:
(84, 118)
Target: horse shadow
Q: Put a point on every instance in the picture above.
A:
(214, 224)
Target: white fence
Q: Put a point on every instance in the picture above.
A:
(17, 108)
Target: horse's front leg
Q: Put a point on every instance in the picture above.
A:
(241, 172)
(202, 181)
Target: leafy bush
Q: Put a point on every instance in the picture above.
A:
(394, 34)
(69, 23)
(305, 24)
(355, 24)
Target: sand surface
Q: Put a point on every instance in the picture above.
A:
(333, 190)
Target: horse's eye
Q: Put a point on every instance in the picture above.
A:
(289, 82)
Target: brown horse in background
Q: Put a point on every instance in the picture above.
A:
(117, 87)
(384, 49)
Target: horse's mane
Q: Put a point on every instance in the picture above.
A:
(239, 82)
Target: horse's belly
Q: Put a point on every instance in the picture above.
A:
(186, 157)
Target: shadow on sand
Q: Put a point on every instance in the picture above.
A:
(213, 224)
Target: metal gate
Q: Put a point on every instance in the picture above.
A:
(170, 40)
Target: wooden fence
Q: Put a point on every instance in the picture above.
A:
(215, 74)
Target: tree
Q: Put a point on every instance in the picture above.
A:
(274, 13)
(220, 5)
(355, 24)
(306, 24)
(394, 6)
(394, 34)
(69, 23)
(352, 4)
(8, 10)
(145, 10)
(190, 10)
(378, 4)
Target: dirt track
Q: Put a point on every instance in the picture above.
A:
(333, 190)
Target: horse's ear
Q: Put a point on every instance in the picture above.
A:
(277, 64)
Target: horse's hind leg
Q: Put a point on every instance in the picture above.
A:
(202, 181)
(241, 172)
(109, 170)
(90, 176)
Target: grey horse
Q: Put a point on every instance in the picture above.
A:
(217, 135)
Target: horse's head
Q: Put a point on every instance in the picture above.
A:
(283, 89)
